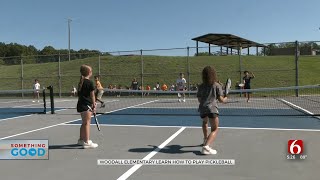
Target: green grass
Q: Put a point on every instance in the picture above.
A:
(120, 70)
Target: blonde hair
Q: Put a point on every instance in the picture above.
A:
(84, 71)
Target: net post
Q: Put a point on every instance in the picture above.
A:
(297, 66)
(44, 101)
(51, 99)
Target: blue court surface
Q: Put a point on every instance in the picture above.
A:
(175, 117)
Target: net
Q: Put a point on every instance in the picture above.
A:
(285, 101)
(22, 102)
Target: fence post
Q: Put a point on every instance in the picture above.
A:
(141, 56)
(99, 66)
(22, 85)
(297, 53)
(188, 69)
(240, 61)
(59, 74)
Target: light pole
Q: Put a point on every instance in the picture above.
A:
(69, 21)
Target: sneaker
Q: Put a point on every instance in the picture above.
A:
(179, 100)
(184, 100)
(33, 101)
(207, 150)
(89, 145)
(38, 101)
(103, 105)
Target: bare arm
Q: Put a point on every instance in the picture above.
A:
(222, 99)
(252, 75)
(93, 100)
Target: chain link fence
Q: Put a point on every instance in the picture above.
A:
(276, 65)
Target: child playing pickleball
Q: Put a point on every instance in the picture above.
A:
(208, 93)
(86, 97)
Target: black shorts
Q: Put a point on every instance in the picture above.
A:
(210, 115)
(247, 87)
(82, 108)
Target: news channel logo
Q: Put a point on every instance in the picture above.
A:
(296, 150)
(24, 149)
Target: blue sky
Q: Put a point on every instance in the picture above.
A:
(112, 25)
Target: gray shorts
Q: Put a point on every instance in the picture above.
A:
(99, 94)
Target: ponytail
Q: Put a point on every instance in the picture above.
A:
(80, 83)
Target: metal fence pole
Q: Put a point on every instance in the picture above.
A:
(22, 85)
(59, 74)
(99, 66)
(141, 57)
(240, 62)
(188, 68)
(297, 53)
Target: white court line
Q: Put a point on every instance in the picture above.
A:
(133, 169)
(27, 132)
(47, 103)
(75, 107)
(15, 117)
(198, 127)
(14, 101)
(298, 107)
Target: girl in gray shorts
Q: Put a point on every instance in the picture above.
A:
(208, 93)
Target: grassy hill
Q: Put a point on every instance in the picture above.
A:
(272, 71)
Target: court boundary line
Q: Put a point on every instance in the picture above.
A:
(298, 108)
(199, 127)
(47, 127)
(5, 119)
(134, 168)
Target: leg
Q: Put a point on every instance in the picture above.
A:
(214, 122)
(85, 131)
(38, 95)
(85, 126)
(205, 129)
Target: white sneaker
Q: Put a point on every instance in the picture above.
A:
(207, 150)
(38, 101)
(179, 100)
(33, 101)
(89, 145)
(184, 100)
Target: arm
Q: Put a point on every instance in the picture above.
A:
(252, 75)
(222, 99)
(93, 100)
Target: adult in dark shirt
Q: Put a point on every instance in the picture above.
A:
(134, 84)
(86, 97)
(247, 82)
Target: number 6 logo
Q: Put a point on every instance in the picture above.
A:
(295, 146)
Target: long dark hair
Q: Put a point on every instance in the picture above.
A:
(209, 75)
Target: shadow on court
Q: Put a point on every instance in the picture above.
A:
(172, 149)
(66, 146)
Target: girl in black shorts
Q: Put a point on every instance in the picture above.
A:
(208, 93)
(86, 97)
